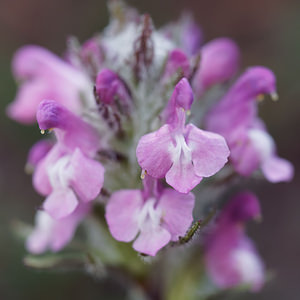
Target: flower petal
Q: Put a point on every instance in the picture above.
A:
(219, 62)
(70, 130)
(228, 121)
(37, 61)
(122, 214)
(37, 241)
(151, 239)
(60, 203)
(54, 234)
(23, 108)
(64, 229)
(87, 176)
(182, 97)
(177, 212)
(41, 180)
(110, 86)
(277, 169)
(38, 151)
(231, 262)
(209, 151)
(152, 152)
(244, 156)
(243, 207)
(182, 176)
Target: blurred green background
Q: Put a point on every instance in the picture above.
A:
(268, 32)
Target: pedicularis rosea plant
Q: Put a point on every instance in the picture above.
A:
(150, 131)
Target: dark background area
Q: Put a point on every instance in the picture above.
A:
(268, 32)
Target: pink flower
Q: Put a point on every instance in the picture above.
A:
(235, 118)
(152, 217)
(219, 62)
(183, 154)
(230, 256)
(68, 174)
(54, 234)
(45, 76)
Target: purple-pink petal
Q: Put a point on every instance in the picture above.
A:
(54, 234)
(182, 97)
(242, 207)
(34, 61)
(60, 203)
(45, 76)
(153, 154)
(209, 151)
(110, 87)
(87, 176)
(277, 169)
(219, 62)
(177, 211)
(155, 215)
(273, 167)
(38, 151)
(64, 229)
(255, 81)
(40, 179)
(122, 214)
(182, 176)
(151, 240)
(236, 264)
(230, 256)
(23, 108)
(244, 157)
(70, 130)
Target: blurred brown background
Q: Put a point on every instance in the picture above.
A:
(268, 32)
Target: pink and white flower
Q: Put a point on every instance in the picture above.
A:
(53, 234)
(230, 256)
(68, 174)
(183, 154)
(152, 217)
(235, 118)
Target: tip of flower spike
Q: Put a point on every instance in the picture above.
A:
(274, 96)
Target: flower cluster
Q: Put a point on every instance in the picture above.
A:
(132, 129)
